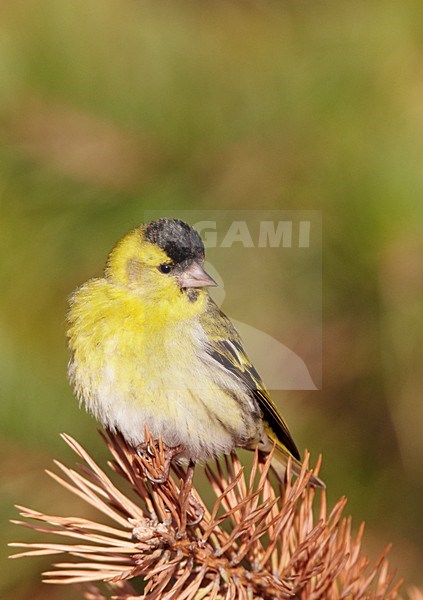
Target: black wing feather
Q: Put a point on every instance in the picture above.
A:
(225, 347)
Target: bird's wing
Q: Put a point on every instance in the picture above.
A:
(225, 347)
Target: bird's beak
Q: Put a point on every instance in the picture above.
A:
(194, 276)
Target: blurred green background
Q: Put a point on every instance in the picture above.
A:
(111, 108)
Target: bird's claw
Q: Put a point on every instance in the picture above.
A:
(198, 510)
(145, 451)
(198, 520)
(159, 480)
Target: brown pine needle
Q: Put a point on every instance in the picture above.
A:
(259, 540)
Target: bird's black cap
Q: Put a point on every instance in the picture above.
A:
(180, 241)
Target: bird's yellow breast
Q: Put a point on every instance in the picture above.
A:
(118, 339)
(135, 364)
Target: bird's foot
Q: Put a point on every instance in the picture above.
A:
(199, 511)
(186, 500)
(150, 455)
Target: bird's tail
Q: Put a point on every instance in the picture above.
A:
(279, 463)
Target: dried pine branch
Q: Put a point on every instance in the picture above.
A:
(258, 541)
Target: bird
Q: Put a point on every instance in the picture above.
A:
(150, 348)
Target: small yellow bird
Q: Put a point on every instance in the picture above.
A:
(149, 347)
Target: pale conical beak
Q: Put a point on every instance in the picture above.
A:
(194, 276)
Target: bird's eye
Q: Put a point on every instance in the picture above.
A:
(165, 268)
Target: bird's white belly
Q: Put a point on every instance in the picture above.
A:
(177, 397)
